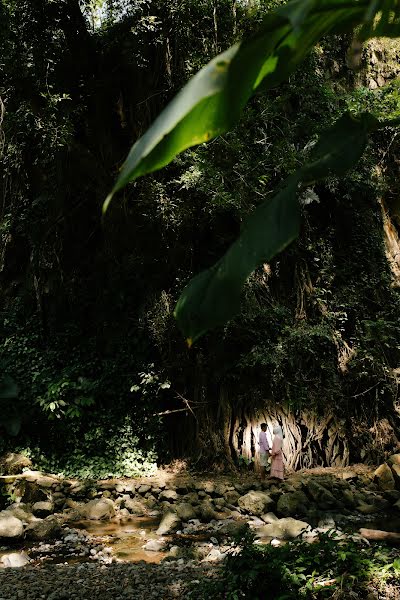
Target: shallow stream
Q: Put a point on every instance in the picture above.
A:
(124, 540)
(121, 540)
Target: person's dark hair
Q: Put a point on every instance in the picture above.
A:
(263, 425)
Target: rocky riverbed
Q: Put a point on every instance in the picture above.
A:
(155, 537)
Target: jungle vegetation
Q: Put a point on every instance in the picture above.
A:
(106, 383)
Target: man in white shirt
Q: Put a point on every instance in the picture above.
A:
(264, 449)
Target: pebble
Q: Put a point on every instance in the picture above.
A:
(94, 581)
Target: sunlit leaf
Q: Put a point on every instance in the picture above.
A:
(212, 101)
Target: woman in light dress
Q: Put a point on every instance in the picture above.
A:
(276, 454)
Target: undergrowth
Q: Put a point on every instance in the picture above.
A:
(326, 569)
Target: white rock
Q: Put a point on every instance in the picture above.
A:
(153, 546)
(214, 541)
(10, 527)
(15, 559)
(255, 502)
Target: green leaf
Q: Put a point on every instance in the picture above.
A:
(396, 565)
(212, 101)
(296, 12)
(340, 147)
(213, 297)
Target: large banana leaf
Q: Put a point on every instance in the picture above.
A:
(212, 101)
(212, 297)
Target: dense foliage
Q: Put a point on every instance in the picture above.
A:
(87, 330)
(326, 569)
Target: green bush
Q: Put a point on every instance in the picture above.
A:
(107, 448)
(303, 570)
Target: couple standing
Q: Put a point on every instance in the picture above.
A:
(275, 451)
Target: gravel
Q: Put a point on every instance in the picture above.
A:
(119, 581)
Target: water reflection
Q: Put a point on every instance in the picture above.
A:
(126, 538)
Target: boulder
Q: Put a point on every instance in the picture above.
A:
(47, 481)
(169, 495)
(396, 474)
(191, 497)
(292, 528)
(383, 476)
(43, 509)
(31, 493)
(129, 487)
(269, 518)
(102, 485)
(169, 523)
(153, 546)
(219, 503)
(150, 501)
(215, 554)
(43, 529)
(348, 498)
(366, 509)
(58, 498)
(21, 511)
(69, 503)
(135, 507)
(326, 523)
(231, 497)
(392, 495)
(13, 463)
(394, 459)
(256, 502)
(222, 515)
(15, 559)
(359, 497)
(206, 512)
(396, 505)
(182, 486)
(283, 529)
(83, 490)
(349, 475)
(143, 489)
(97, 510)
(294, 503)
(185, 511)
(380, 502)
(208, 487)
(235, 514)
(220, 489)
(322, 496)
(10, 526)
(255, 522)
(233, 529)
